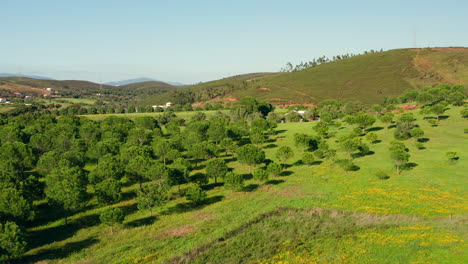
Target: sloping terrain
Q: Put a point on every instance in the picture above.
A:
(368, 78)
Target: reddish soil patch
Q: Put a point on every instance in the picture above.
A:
(231, 99)
(179, 231)
(410, 107)
(202, 216)
(264, 89)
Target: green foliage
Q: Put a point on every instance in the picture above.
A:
(250, 155)
(372, 137)
(399, 155)
(195, 194)
(261, 175)
(199, 178)
(274, 169)
(284, 153)
(152, 195)
(452, 157)
(233, 181)
(347, 164)
(308, 158)
(382, 175)
(305, 142)
(66, 187)
(108, 191)
(403, 127)
(13, 203)
(216, 168)
(112, 216)
(12, 241)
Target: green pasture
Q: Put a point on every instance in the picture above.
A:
(317, 214)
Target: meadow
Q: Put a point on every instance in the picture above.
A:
(316, 214)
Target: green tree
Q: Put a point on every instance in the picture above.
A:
(162, 149)
(399, 155)
(305, 141)
(308, 158)
(19, 153)
(387, 119)
(283, 154)
(372, 137)
(233, 181)
(12, 241)
(438, 109)
(13, 203)
(417, 133)
(274, 169)
(195, 194)
(250, 155)
(108, 191)
(261, 175)
(452, 157)
(66, 187)
(152, 195)
(112, 217)
(216, 168)
(321, 128)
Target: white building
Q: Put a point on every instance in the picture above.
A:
(3, 100)
(168, 104)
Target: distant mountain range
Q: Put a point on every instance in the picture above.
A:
(140, 80)
(25, 76)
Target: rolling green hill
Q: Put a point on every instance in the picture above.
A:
(368, 78)
(81, 89)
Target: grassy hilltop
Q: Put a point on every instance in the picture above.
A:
(368, 78)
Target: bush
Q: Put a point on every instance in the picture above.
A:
(233, 181)
(112, 216)
(419, 145)
(195, 194)
(347, 165)
(382, 175)
(452, 157)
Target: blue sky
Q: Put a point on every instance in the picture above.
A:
(192, 41)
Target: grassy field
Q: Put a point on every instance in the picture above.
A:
(184, 114)
(317, 214)
(77, 100)
(4, 109)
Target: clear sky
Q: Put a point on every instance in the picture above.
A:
(191, 41)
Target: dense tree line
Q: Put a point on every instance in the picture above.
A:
(320, 60)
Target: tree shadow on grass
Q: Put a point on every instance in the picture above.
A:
(360, 154)
(410, 166)
(211, 186)
(189, 206)
(270, 146)
(423, 140)
(317, 162)
(128, 196)
(148, 220)
(443, 117)
(247, 176)
(376, 141)
(129, 209)
(279, 131)
(231, 159)
(372, 129)
(298, 163)
(250, 188)
(274, 182)
(286, 173)
(60, 252)
(61, 232)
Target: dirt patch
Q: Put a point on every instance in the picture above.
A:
(178, 232)
(201, 216)
(410, 107)
(291, 192)
(265, 89)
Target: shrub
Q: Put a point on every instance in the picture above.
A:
(382, 175)
(419, 145)
(195, 194)
(233, 181)
(347, 165)
(452, 157)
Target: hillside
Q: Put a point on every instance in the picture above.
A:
(77, 88)
(368, 78)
